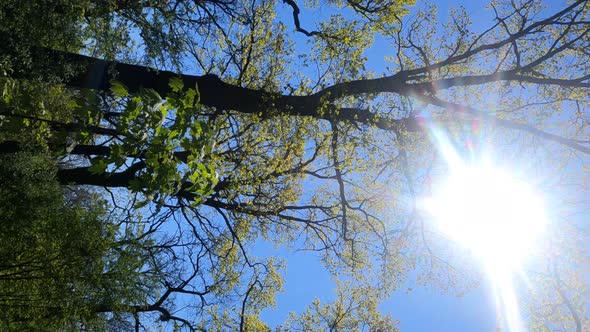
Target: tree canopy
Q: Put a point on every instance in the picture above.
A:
(64, 259)
(209, 126)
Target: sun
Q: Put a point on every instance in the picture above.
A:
(496, 216)
(491, 212)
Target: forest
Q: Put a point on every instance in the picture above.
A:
(148, 148)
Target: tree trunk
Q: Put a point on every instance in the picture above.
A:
(96, 74)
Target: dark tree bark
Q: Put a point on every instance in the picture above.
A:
(96, 74)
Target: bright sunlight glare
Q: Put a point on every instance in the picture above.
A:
(497, 217)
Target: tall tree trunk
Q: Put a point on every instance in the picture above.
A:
(93, 73)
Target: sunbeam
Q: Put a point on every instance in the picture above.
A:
(494, 215)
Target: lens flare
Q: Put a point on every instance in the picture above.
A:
(496, 216)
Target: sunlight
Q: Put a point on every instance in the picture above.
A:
(485, 210)
(498, 217)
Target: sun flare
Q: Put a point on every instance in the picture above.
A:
(497, 217)
(491, 212)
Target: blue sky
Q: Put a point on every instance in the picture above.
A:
(422, 308)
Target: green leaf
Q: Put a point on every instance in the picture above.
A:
(118, 89)
(176, 84)
(189, 99)
(152, 95)
(142, 203)
(135, 185)
(98, 167)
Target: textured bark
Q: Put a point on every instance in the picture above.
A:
(83, 176)
(93, 73)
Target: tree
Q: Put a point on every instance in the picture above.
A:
(63, 258)
(310, 149)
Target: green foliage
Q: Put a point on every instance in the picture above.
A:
(26, 26)
(169, 137)
(324, 159)
(355, 309)
(31, 112)
(60, 257)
